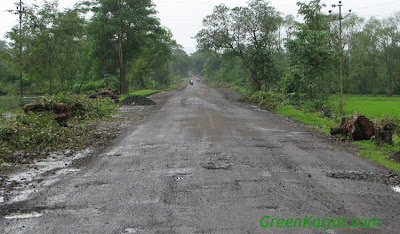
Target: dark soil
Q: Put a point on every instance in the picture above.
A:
(395, 157)
(138, 100)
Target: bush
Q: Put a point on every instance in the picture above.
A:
(30, 132)
(83, 107)
(269, 100)
(41, 132)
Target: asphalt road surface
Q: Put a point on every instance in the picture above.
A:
(203, 164)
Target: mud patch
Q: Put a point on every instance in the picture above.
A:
(388, 179)
(39, 175)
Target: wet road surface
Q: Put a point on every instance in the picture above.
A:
(202, 164)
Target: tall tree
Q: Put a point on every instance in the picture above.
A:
(250, 33)
(311, 57)
(129, 22)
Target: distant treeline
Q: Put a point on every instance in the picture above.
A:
(256, 47)
(121, 45)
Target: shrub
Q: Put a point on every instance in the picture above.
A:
(269, 100)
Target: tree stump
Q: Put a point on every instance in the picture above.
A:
(359, 128)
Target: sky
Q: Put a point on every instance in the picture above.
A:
(184, 17)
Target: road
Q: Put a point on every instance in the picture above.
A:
(203, 164)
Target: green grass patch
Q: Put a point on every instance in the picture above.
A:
(370, 106)
(142, 92)
(307, 117)
(378, 153)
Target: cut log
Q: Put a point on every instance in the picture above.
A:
(345, 127)
(62, 110)
(104, 93)
(359, 128)
(363, 129)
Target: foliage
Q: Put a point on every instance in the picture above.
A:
(83, 107)
(269, 100)
(249, 33)
(306, 116)
(311, 58)
(379, 154)
(41, 132)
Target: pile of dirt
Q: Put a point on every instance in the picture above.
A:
(395, 157)
(138, 100)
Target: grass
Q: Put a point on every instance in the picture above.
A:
(9, 104)
(370, 106)
(379, 154)
(313, 118)
(143, 92)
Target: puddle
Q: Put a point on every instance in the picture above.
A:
(23, 215)
(1, 199)
(396, 189)
(133, 230)
(181, 176)
(266, 174)
(40, 174)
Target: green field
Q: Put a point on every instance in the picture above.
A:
(370, 106)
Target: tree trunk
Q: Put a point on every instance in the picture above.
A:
(50, 77)
(375, 73)
(359, 128)
(121, 66)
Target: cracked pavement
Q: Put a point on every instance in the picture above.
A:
(203, 164)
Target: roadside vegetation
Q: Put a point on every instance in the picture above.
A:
(294, 68)
(39, 133)
(62, 55)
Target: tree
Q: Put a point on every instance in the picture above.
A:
(311, 57)
(250, 33)
(129, 21)
(389, 37)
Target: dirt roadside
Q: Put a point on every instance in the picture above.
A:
(33, 170)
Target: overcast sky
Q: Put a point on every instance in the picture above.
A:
(184, 17)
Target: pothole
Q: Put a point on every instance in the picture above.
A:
(217, 166)
(385, 178)
(217, 161)
(23, 215)
(182, 176)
